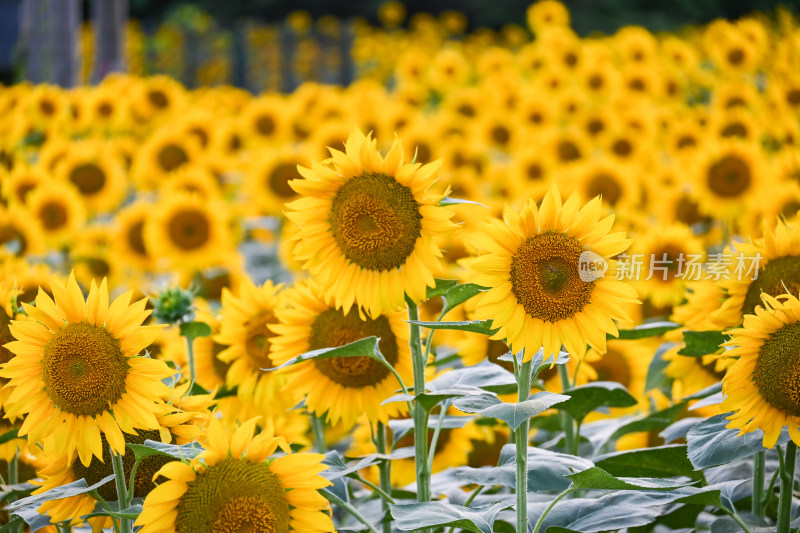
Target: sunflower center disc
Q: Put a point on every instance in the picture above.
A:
(729, 177)
(545, 278)
(53, 215)
(136, 238)
(332, 329)
(376, 221)
(613, 367)
(606, 186)
(171, 157)
(84, 369)
(189, 229)
(88, 178)
(279, 178)
(257, 342)
(234, 495)
(777, 277)
(777, 371)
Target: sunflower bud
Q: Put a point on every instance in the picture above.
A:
(174, 305)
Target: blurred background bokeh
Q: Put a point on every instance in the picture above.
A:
(263, 45)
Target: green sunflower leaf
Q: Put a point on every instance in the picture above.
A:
(414, 516)
(9, 435)
(457, 201)
(598, 479)
(700, 343)
(651, 329)
(474, 326)
(710, 443)
(179, 451)
(194, 330)
(587, 398)
(660, 461)
(459, 294)
(130, 513)
(513, 414)
(442, 286)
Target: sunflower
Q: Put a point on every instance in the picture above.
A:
(245, 334)
(210, 369)
(368, 221)
(729, 178)
(616, 183)
(265, 120)
(58, 471)
(670, 255)
(777, 258)
(163, 152)
(267, 178)
(547, 13)
(21, 181)
(234, 485)
(92, 258)
(344, 388)
(20, 234)
(761, 386)
(59, 209)
(188, 231)
(536, 296)
(76, 373)
(129, 243)
(193, 179)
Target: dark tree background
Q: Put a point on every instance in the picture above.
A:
(587, 15)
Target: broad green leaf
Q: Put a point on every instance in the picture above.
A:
(700, 343)
(421, 515)
(403, 426)
(651, 329)
(367, 347)
(193, 330)
(679, 429)
(710, 443)
(225, 392)
(661, 461)
(459, 294)
(16, 491)
(513, 414)
(652, 422)
(586, 398)
(705, 393)
(599, 479)
(131, 512)
(473, 326)
(656, 377)
(458, 201)
(197, 390)
(179, 451)
(442, 285)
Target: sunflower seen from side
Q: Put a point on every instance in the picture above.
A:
(235, 485)
(343, 387)
(536, 296)
(76, 375)
(368, 222)
(761, 387)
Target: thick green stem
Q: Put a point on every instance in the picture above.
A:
(523, 371)
(190, 358)
(758, 484)
(550, 507)
(385, 475)
(420, 415)
(570, 439)
(122, 490)
(318, 428)
(13, 470)
(787, 487)
(738, 520)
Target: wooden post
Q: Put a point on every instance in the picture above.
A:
(50, 39)
(110, 19)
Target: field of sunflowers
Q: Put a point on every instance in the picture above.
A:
(572, 264)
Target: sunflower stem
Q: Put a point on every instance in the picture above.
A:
(787, 487)
(419, 413)
(122, 490)
(523, 375)
(539, 522)
(567, 425)
(13, 469)
(758, 484)
(385, 469)
(190, 358)
(318, 428)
